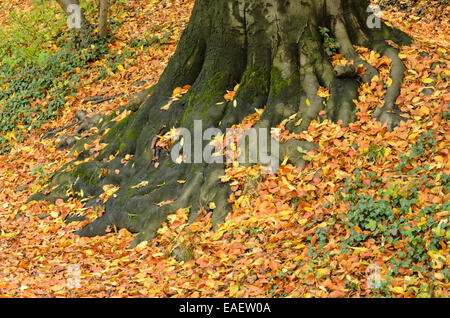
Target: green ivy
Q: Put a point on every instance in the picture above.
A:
(50, 82)
(330, 44)
(386, 216)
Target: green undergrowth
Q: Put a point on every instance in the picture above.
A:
(393, 214)
(27, 36)
(390, 215)
(40, 68)
(32, 94)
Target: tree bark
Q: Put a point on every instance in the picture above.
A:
(103, 19)
(273, 48)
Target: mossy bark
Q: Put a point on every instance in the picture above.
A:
(273, 48)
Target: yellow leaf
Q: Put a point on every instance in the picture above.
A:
(323, 92)
(427, 80)
(140, 185)
(322, 225)
(416, 100)
(397, 290)
(234, 289)
(259, 111)
(258, 262)
(323, 272)
(166, 107)
(285, 214)
(424, 110)
(141, 246)
(439, 159)
(389, 82)
(302, 221)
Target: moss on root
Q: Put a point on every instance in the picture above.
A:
(254, 83)
(278, 84)
(88, 172)
(206, 98)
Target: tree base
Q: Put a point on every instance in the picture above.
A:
(275, 50)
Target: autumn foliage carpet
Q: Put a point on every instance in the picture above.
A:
(369, 216)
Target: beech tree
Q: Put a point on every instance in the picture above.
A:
(275, 50)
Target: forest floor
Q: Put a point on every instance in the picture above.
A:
(368, 216)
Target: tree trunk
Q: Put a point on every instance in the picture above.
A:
(103, 19)
(274, 49)
(77, 22)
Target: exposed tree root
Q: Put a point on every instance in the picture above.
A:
(274, 50)
(390, 113)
